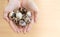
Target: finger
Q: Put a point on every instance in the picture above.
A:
(6, 15)
(35, 16)
(14, 27)
(6, 18)
(29, 26)
(24, 29)
(20, 28)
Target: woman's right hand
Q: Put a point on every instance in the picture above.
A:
(12, 4)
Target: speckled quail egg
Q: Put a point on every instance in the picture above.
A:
(12, 15)
(29, 13)
(19, 15)
(22, 23)
(28, 19)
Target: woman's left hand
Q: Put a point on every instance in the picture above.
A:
(30, 5)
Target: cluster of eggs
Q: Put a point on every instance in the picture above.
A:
(21, 17)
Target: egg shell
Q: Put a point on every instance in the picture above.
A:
(11, 13)
(19, 15)
(29, 13)
(22, 23)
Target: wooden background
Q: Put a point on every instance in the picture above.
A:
(48, 23)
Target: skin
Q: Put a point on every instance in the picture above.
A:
(15, 4)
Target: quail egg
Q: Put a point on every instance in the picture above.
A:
(12, 15)
(22, 23)
(29, 13)
(19, 15)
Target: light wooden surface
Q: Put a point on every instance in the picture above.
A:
(48, 23)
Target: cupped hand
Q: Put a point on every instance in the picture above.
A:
(30, 5)
(12, 4)
(15, 4)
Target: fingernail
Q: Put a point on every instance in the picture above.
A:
(24, 32)
(18, 31)
(15, 31)
(28, 30)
